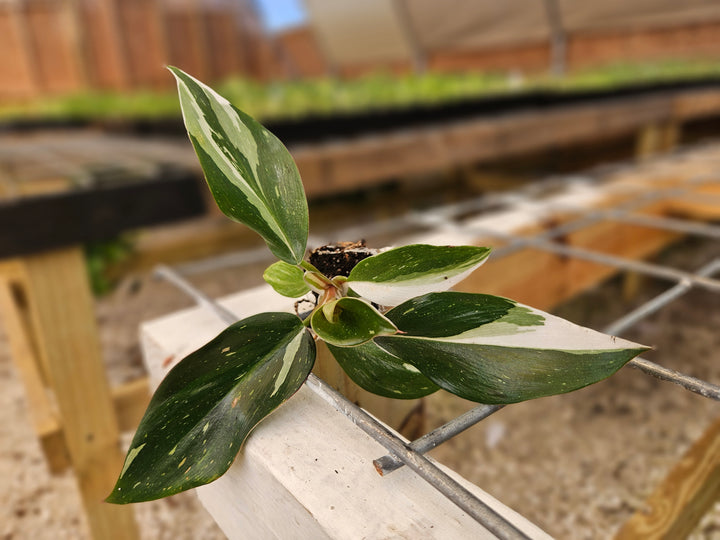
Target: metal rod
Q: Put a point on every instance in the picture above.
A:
(705, 389)
(389, 463)
(440, 480)
(671, 224)
(596, 216)
(688, 382)
(238, 258)
(641, 267)
(450, 488)
(653, 305)
(173, 277)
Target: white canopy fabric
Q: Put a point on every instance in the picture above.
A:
(355, 32)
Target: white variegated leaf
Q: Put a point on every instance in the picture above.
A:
(394, 276)
(207, 405)
(494, 350)
(251, 175)
(382, 373)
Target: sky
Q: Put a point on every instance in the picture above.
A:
(281, 14)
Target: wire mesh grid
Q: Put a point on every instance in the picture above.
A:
(454, 218)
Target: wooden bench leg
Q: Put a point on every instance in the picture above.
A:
(65, 329)
(657, 138)
(24, 355)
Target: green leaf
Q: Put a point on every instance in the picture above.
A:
(286, 279)
(250, 173)
(207, 405)
(493, 350)
(382, 373)
(349, 321)
(394, 276)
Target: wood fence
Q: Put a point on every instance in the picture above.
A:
(69, 45)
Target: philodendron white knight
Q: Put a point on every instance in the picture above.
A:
(480, 347)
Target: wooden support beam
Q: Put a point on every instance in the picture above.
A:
(43, 413)
(686, 494)
(64, 322)
(352, 163)
(129, 400)
(657, 138)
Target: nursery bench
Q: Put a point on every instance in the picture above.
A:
(48, 313)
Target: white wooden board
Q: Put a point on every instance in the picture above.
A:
(306, 471)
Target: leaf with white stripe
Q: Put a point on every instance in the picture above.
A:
(207, 405)
(394, 276)
(251, 175)
(382, 373)
(493, 350)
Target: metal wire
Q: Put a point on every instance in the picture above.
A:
(688, 382)
(440, 480)
(670, 224)
(697, 386)
(653, 305)
(641, 267)
(450, 488)
(389, 463)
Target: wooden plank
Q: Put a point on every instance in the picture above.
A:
(696, 104)
(62, 308)
(43, 414)
(701, 203)
(337, 166)
(686, 494)
(310, 464)
(130, 401)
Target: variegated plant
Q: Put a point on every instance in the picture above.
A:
(480, 347)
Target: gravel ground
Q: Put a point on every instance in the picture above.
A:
(578, 465)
